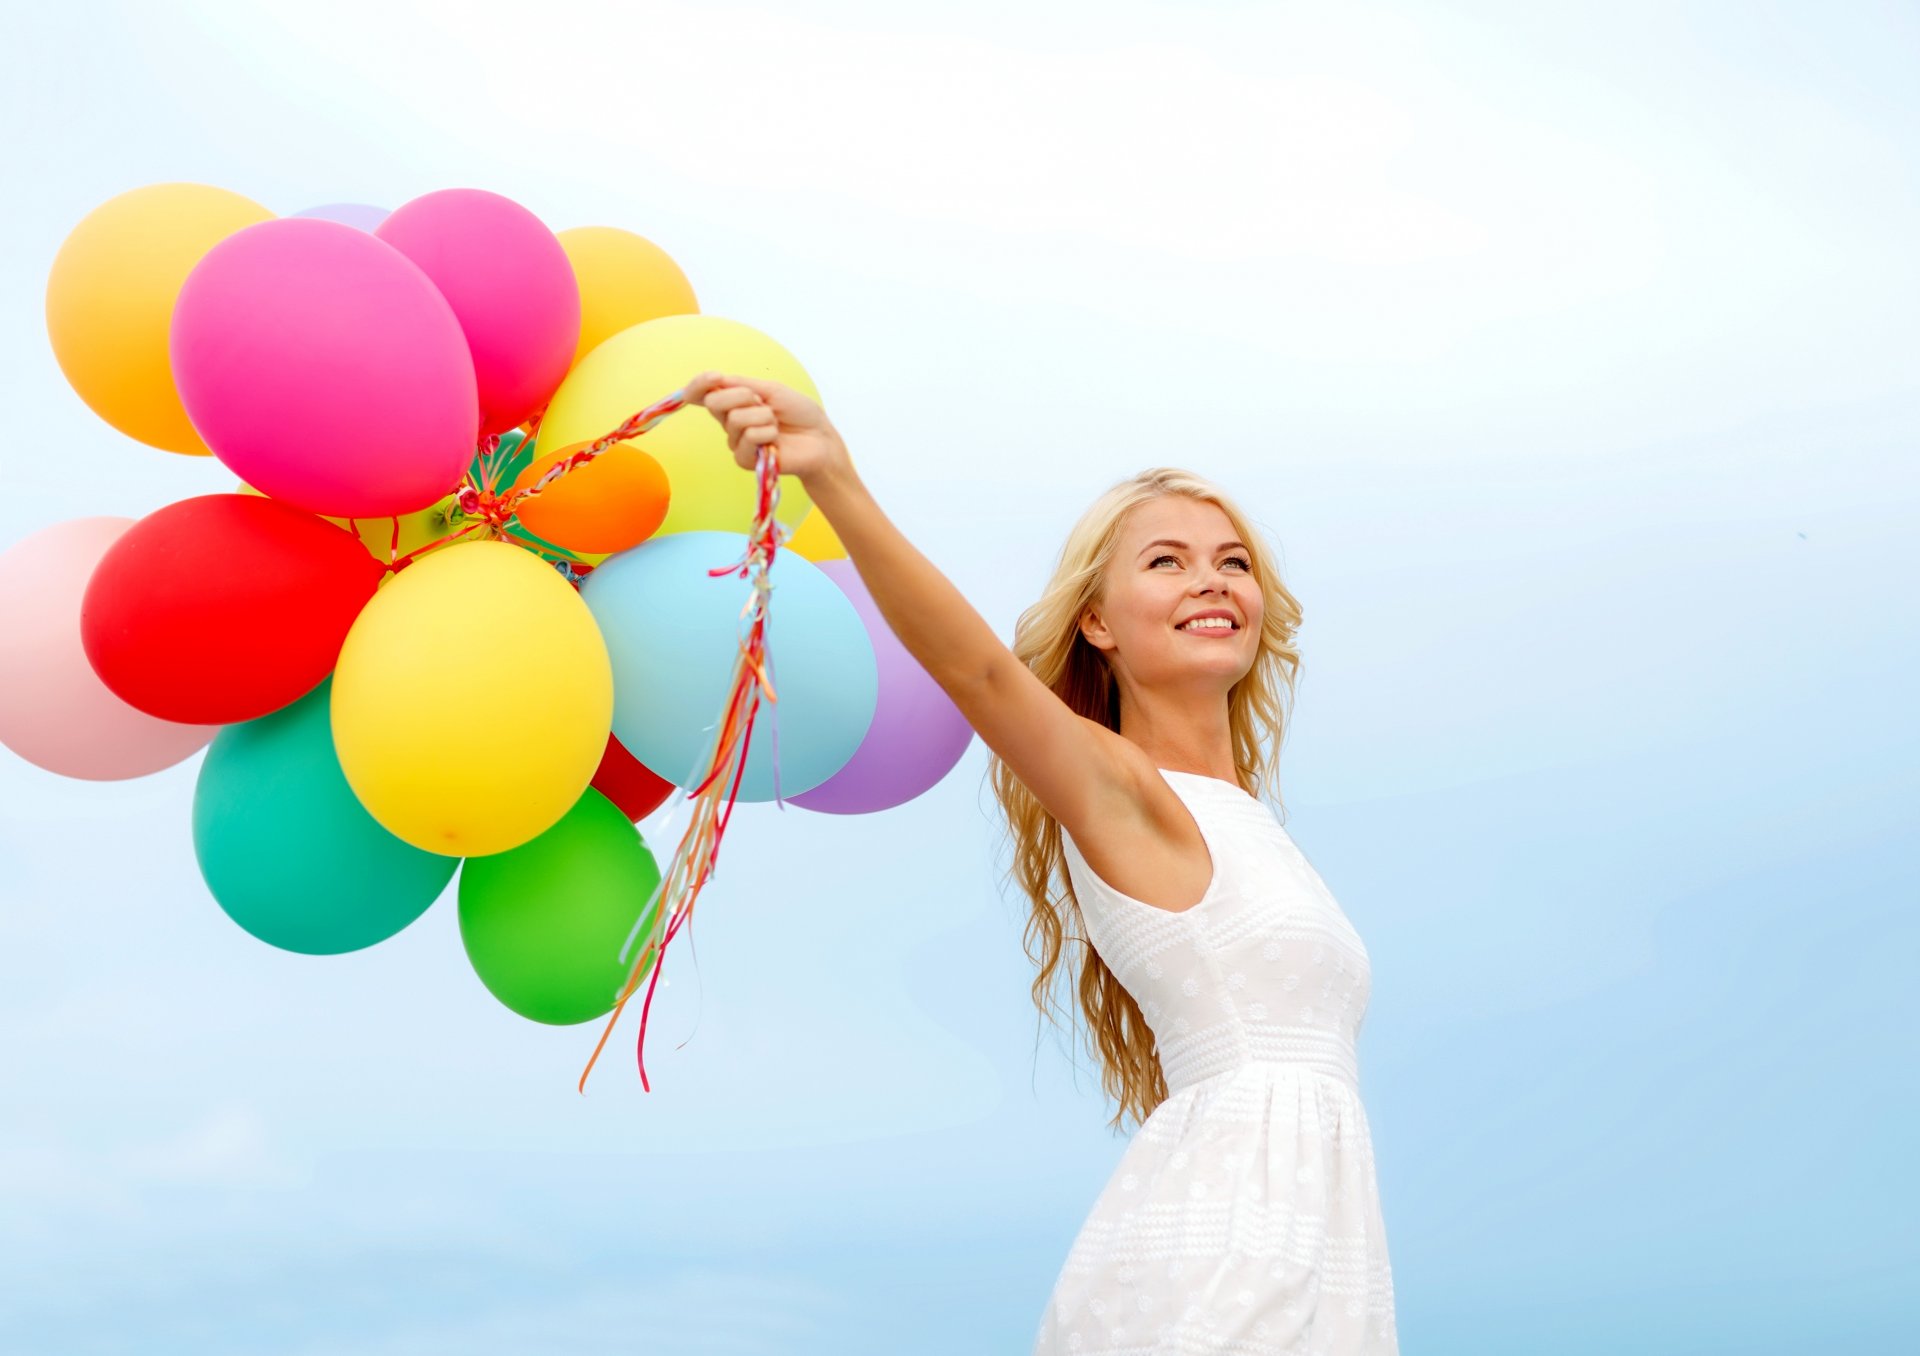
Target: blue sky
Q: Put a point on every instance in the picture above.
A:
(1566, 351)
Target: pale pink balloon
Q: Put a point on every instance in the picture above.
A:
(54, 710)
(325, 369)
(510, 282)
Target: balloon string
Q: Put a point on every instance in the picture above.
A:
(713, 796)
(493, 510)
(634, 426)
(402, 562)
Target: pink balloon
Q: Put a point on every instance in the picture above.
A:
(510, 283)
(54, 710)
(325, 369)
(917, 734)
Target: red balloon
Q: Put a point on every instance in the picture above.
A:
(629, 783)
(222, 608)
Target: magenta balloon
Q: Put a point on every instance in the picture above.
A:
(54, 710)
(325, 369)
(917, 734)
(512, 286)
(355, 214)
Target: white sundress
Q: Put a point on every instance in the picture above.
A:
(1244, 1217)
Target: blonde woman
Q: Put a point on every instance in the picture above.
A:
(1134, 724)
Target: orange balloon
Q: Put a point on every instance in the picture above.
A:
(624, 279)
(110, 302)
(617, 500)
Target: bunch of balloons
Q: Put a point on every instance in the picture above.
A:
(444, 621)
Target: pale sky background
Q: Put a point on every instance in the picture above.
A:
(1567, 351)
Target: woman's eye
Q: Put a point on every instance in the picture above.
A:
(1241, 561)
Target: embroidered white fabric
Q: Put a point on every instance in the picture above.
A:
(1244, 1216)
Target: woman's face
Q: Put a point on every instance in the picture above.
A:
(1176, 562)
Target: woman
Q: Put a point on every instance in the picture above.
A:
(1133, 724)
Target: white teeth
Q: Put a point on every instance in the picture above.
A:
(1210, 623)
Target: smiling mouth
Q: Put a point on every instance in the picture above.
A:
(1231, 628)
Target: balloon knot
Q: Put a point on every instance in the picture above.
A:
(490, 508)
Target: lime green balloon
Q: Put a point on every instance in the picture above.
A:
(544, 922)
(286, 847)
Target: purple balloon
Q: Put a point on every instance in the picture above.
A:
(355, 214)
(917, 734)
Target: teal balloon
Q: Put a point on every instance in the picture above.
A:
(544, 923)
(287, 849)
(673, 632)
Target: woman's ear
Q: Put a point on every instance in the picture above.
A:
(1095, 630)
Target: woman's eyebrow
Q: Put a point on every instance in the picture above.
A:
(1169, 541)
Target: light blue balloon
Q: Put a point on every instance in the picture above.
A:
(673, 632)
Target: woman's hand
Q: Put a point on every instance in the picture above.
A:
(755, 411)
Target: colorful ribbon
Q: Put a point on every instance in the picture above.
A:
(717, 787)
(719, 780)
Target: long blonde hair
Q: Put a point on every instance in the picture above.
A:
(1048, 640)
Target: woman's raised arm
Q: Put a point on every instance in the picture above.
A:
(1082, 772)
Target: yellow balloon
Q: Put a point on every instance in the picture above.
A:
(624, 279)
(110, 302)
(472, 700)
(815, 539)
(653, 360)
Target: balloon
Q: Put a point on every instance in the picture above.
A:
(472, 700)
(510, 284)
(629, 783)
(917, 734)
(816, 540)
(223, 607)
(355, 214)
(544, 924)
(615, 501)
(54, 710)
(286, 849)
(623, 279)
(673, 632)
(325, 369)
(651, 361)
(111, 297)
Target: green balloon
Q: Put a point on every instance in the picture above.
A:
(288, 850)
(544, 922)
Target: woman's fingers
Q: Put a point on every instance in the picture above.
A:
(705, 384)
(718, 392)
(748, 416)
(743, 408)
(731, 398)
